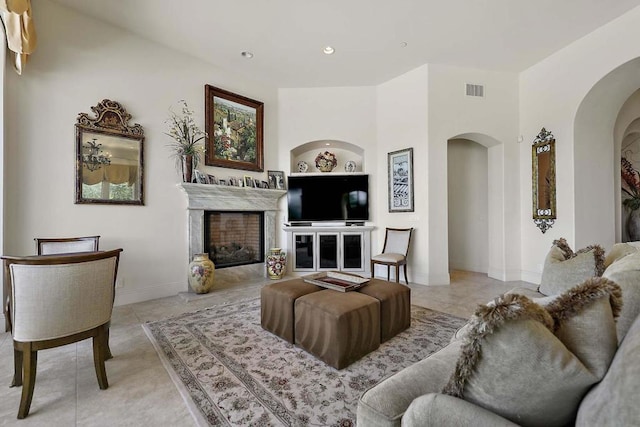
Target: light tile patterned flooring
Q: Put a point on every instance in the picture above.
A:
(140, 392)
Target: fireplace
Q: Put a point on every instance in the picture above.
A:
(203, 199)
(234, 238)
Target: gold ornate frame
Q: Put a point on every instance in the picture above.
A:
(110, 134)
(543, 169)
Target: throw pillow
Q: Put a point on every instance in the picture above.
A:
(626, 273)
(617, 252)
(564, 269)
(514, 362)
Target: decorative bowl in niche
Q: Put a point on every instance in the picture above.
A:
(326, 161)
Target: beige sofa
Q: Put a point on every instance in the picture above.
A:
(588, 380)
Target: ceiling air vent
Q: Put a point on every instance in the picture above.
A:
(475, 90)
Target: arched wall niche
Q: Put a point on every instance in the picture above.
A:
(344, 151)
(629, 142)
(596, 152)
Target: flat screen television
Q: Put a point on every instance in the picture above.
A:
(328, 198)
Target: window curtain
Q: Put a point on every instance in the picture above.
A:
(114, 174)
(20, 29)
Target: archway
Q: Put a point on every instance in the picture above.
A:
(596, 157)
(475, 229)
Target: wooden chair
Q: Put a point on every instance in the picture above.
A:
(58, 300)
(66, 245)
(394, 252)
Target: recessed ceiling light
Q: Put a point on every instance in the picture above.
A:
(328, 144)
(247, 54)
(403, 44)
(328, 50)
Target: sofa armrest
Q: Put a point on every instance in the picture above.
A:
(437, 409)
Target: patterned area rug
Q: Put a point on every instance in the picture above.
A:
(231, 372)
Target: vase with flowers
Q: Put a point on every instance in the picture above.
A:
(326, 161)
(631, 197)
(186, 137)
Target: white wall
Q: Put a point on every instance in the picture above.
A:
(78, 63)
(4, 67)
(402, 122)
(468, 195)
(490, 121)
(577, 94)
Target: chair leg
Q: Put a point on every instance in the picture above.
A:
(388, 272)
(30, 364)
(406, 278)
(397, 273)
(107, 348)
(373, 266)
(99, 351)
(17, 368)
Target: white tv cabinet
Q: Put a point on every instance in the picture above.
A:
(324, 248)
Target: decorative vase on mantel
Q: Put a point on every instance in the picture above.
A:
(187, 168)
(201, 271)
(276, 263)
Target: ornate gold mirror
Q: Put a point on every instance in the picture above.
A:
(544, 180)
(109, 167)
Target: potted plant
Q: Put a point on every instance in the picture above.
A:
(631, 189)
(186, 135)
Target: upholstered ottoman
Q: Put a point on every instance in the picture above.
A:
(337, 327)
(276, 306)
(395, 306)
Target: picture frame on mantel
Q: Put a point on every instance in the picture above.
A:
(400, 180)
(234, 126)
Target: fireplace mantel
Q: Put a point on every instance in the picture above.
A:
(209, 197)
(222, 197)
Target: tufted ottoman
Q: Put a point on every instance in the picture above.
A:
(395, 306)
(276, 306)
(338, 328)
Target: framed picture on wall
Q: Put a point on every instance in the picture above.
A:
(234, 126)
(400, 174)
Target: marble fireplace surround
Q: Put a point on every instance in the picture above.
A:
(209, 197)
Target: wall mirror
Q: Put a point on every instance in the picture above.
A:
(544, 180)
(109, 167)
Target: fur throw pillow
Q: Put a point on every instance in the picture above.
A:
(531, 364)
(564, 269)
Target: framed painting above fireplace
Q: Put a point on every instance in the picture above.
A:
(234, 126)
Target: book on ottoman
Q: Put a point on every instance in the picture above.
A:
(338, 281)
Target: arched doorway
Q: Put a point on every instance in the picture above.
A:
(468, 199)
(597, 157)
(475, 224)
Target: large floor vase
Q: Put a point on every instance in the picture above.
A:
(633, 225)
(201, 271)
(276, 263)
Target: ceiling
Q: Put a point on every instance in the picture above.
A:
(287, 36)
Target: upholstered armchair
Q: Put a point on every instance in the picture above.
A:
(55, 301)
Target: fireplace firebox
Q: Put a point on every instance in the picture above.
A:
(234, 238)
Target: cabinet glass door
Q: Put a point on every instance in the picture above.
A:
(303, 251)
(352, 251)
(328, 251)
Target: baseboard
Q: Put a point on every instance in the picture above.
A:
(504, 275)
(130, 296)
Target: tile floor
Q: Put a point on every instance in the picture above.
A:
(140, 392)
